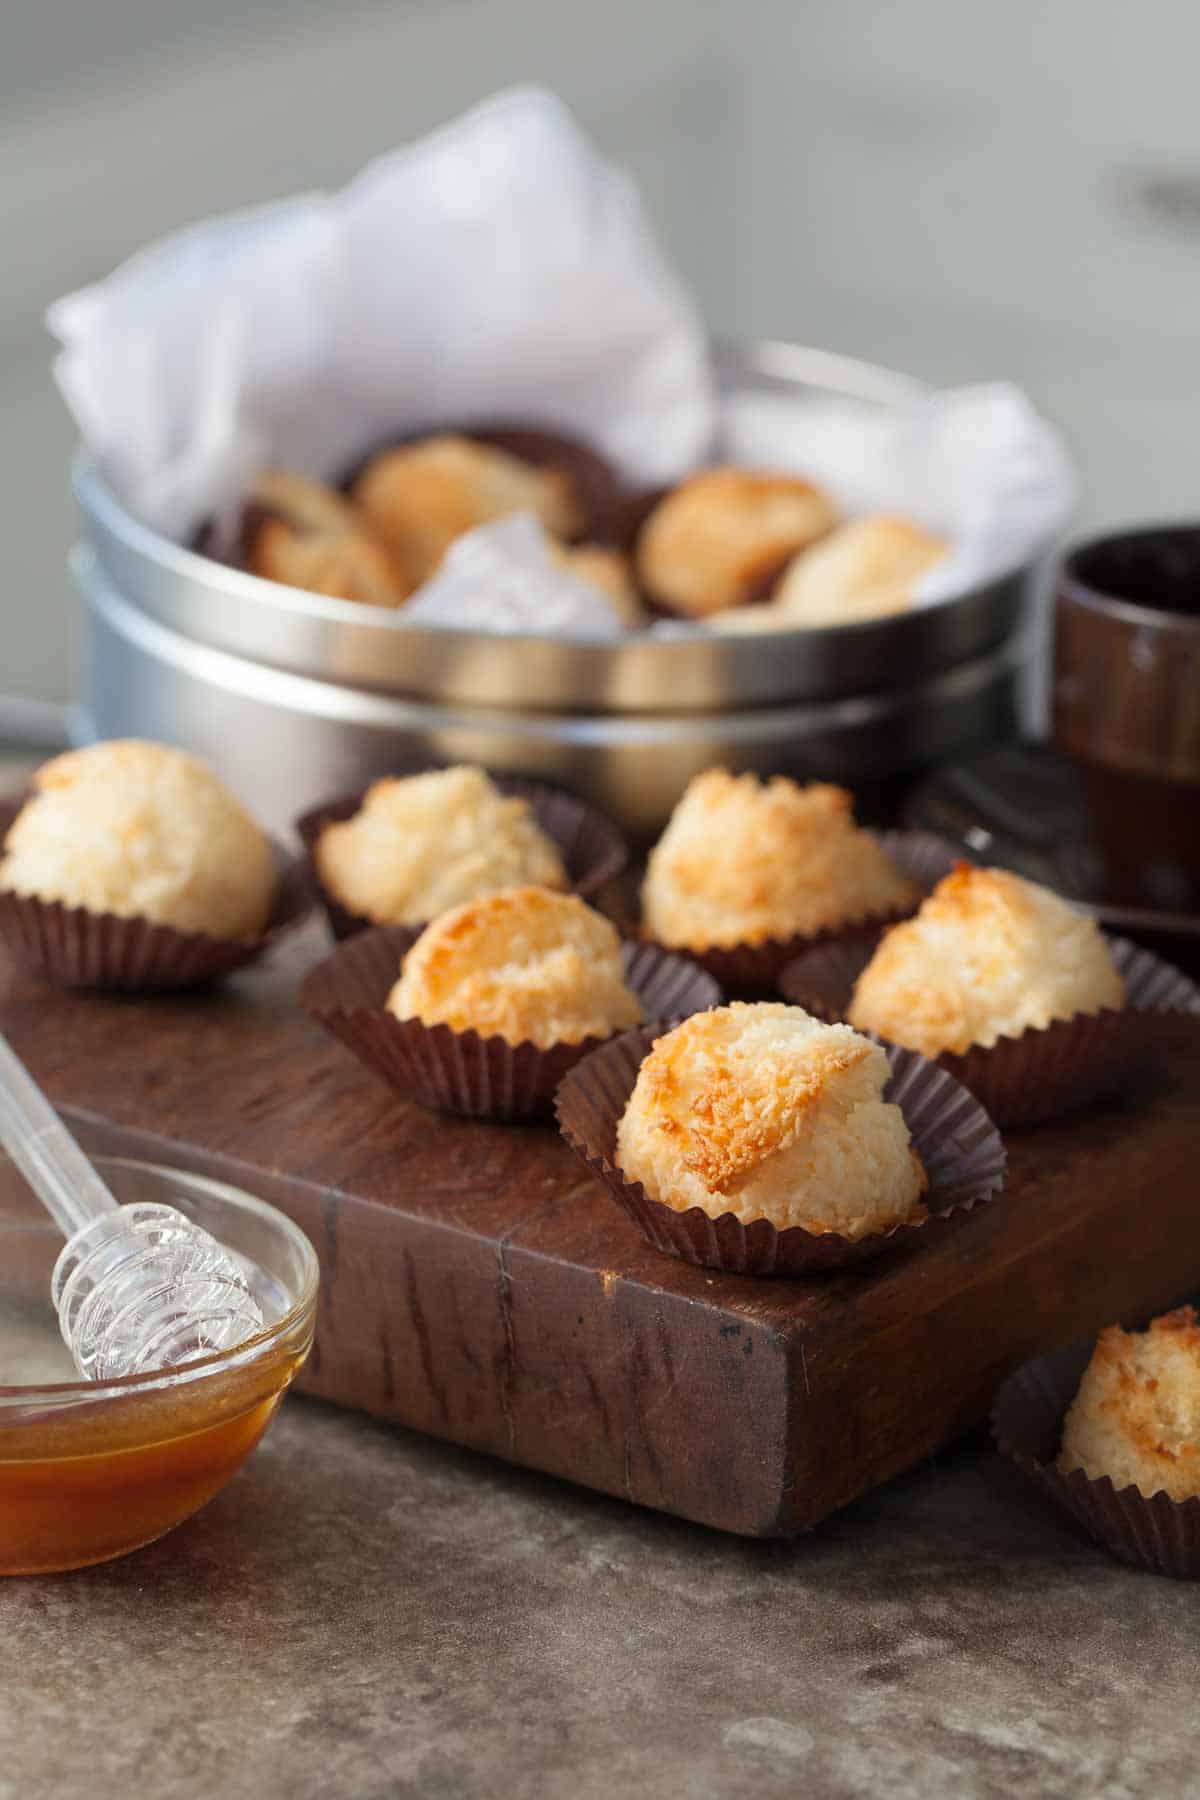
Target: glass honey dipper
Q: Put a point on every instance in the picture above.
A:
(136, 1288)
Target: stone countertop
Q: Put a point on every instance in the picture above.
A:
(367, 1614)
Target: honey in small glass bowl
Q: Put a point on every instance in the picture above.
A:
(92, 1470)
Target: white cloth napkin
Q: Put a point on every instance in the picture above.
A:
(502, 577)
(497, 269)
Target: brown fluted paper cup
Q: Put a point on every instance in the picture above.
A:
(593, 850)
(460, 1071)
(958, 1145)
(1155, 1533)
(753, 970)
(76, 948)
(1042, 1074)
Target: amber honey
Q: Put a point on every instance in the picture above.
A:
(88, 1472)
(96, 1480)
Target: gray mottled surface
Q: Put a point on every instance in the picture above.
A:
(364, 1613)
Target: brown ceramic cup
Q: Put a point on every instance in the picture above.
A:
(1126, 703)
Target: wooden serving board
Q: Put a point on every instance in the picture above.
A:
(480, 1286)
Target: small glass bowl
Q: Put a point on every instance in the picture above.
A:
(90, 1470)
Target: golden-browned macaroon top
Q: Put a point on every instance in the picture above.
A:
(420, 844)
(524, 964)
(987, 955)
(866, 569)
(142, 830)
(764, 1112)
(1136, 1416)
(743, 861)
(421, 497)
(721, 537)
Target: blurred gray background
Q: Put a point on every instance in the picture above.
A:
(959, 191)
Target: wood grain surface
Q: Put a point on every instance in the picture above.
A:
(480, 1286)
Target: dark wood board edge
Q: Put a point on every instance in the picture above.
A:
(681, 1407)
(848, 1379)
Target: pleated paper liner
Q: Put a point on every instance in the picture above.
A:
(459, 1071)
(751, 971)
(1042, 1074)
(593, 850)
(956, 1141)
(1155, 1533)
(76, 948)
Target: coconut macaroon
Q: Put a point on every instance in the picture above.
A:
(720, 538)
(763, 1112)
(744, 861)
(306, 504)
(143, 831)
(421, 497)
(865, 569)
(342, 566)
(1136, 1416)
(421, 844)
(987, 956)
(311, 537)
(524, 964)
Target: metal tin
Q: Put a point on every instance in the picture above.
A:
(365, 646)
(286, 740)
(294, 696)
